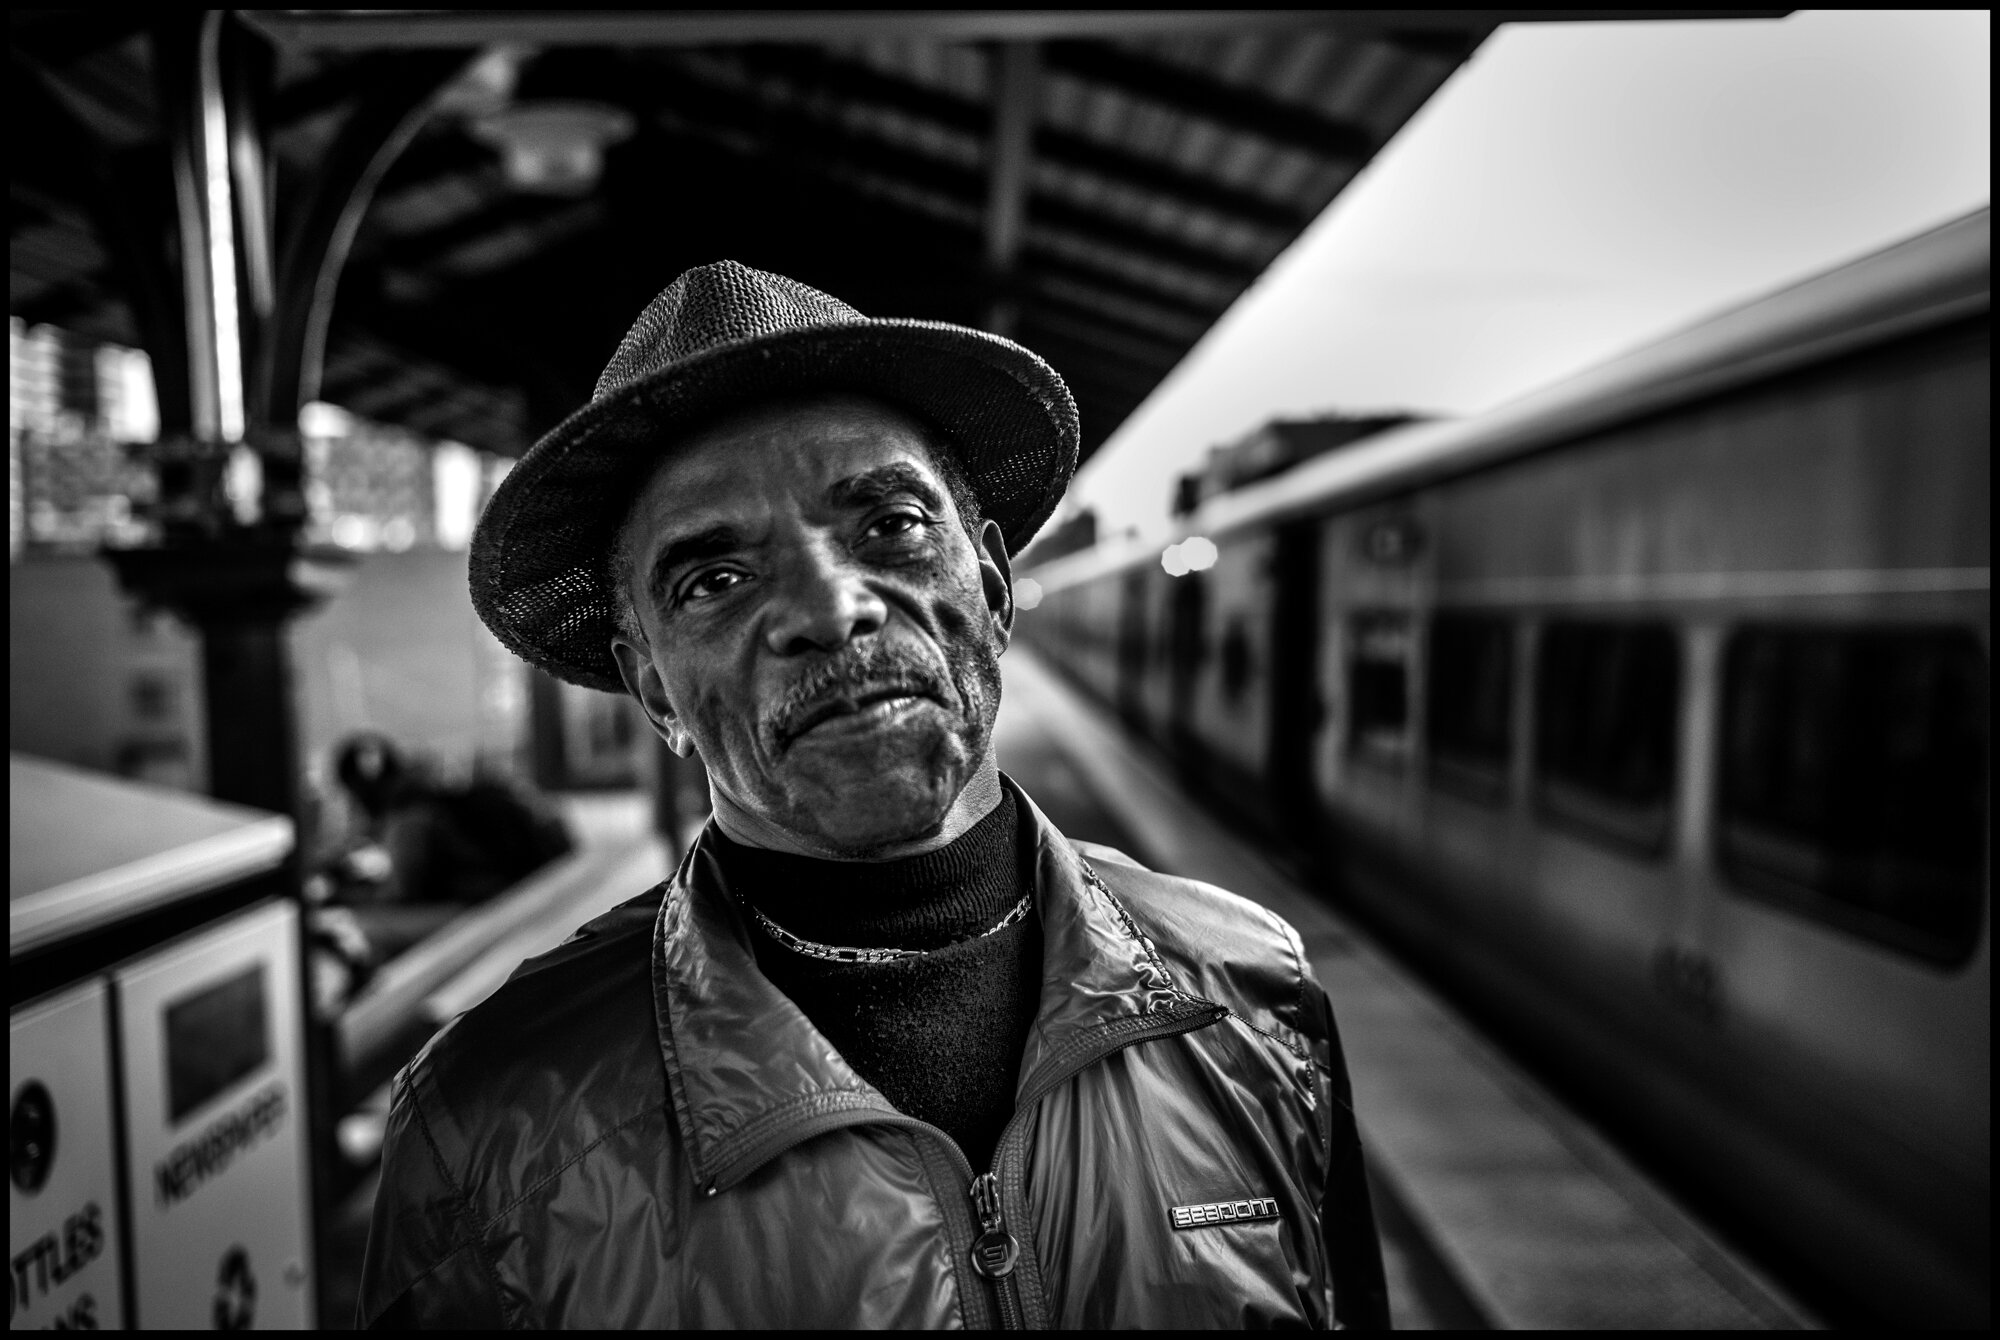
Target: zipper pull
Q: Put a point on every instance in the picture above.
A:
(994, 1252)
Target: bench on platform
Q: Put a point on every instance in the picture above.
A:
(466, 960)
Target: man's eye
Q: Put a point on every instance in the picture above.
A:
(896, 523)
(711, 583)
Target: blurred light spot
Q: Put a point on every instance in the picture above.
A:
(319, 419)
(351, 531)
(1027, 593)
(506, 698)
(131, 401)
(455, 478)
(1199, 553)
(398, 534)
(243, 482)
(1174, 561)
(360, 1136)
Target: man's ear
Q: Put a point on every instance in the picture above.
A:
(996, 578)
(643, 682)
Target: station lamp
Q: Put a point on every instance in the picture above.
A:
(554, 148)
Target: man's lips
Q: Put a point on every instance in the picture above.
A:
(858, 712)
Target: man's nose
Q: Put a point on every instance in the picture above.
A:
(823, 602)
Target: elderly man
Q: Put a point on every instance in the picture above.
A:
(887, 1050)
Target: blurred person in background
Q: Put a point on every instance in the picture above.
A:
(429, 841)
(423, 852)
(888, 1049)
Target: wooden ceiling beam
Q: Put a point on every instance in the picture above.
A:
(1172, 340)
(1118, 168)
(1140, 351)
(1043, 263)
(828, 150)
(1083, 362)
(1009, 168)
(418, 249)
(852, 81)
(348, 30)
(1152, 319)
(1141, 242)
(360, 29)
(1208, 99)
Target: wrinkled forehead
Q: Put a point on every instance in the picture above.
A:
(795, 451)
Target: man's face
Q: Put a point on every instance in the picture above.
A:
(819, 626)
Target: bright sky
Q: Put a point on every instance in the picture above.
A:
(1574, 190)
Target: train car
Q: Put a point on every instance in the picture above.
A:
(1652, 712)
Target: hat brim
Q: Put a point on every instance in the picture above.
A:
(539, 575)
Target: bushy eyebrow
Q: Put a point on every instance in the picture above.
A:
(871, 487)
(867, 489)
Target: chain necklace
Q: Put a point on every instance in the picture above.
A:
(843, 954)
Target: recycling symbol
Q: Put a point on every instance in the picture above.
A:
(31, 1137)
(235, 1292)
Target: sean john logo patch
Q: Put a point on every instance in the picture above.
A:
(1223, 1212)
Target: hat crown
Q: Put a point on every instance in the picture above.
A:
(711, 306)
(720, 338)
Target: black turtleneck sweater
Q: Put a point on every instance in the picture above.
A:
(940, 1034)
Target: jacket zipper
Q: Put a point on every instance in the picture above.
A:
(990, 1196)
(966, 1228)
(995, 1251)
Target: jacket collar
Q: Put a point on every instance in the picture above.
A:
(745, 1066)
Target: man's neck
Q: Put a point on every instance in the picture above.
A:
(747, 828)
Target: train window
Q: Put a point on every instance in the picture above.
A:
(1469, 703)
(1186, 617)
(1236, 661)
(1606, 696)
(1378, 673)
(1853, 780)
(1132, 630)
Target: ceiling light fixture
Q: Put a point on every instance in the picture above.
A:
(554, 148)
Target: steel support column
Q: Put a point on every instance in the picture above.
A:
(254, 324)
(227, 565)
(254, 319)
(1009, 164)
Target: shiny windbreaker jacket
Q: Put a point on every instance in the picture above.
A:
(639, 1130)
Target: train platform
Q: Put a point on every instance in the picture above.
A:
(1498, 1207)
(617, 856)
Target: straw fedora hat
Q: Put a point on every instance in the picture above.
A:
(723, 337)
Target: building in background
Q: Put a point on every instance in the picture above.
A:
(81, 416)
(99, 682)
(76, 412)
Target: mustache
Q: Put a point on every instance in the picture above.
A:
(856, 671)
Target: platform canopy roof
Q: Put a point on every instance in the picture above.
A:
(1099, 184)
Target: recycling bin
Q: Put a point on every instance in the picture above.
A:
(157, 1067)
(65, 1243)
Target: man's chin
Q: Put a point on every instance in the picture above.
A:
(862, 800)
